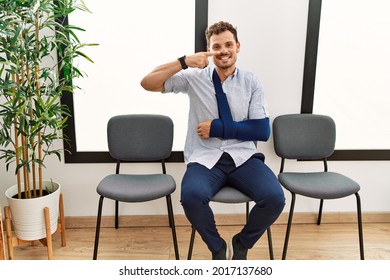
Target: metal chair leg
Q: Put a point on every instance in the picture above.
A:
(169, 218)
(360, 225)
(116, 214)
(270, 246)
(320, 212)
(269, 236)
(98, 222)
(290, 216)
(192, 240)
(172, 224)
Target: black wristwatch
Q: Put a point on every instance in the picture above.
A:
(183, 62)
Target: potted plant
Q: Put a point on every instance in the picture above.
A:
(31, 114)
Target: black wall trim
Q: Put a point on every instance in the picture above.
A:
(309, 76)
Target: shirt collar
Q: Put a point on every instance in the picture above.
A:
(211, 70)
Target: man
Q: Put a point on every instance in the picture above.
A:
(220, 144)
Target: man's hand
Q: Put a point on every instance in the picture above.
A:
(200, 59)
(203, 129)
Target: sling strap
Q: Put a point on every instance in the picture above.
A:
(223, 106)
(226, 128)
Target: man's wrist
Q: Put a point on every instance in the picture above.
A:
(183, 62)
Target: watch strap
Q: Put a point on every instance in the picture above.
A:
(183, 62)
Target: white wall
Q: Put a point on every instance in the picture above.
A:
(272, 35)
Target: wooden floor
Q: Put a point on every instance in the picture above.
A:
(328, 241)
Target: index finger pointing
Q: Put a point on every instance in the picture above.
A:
(212, 53)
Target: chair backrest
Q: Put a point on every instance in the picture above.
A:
(304, 136)
(140, 137)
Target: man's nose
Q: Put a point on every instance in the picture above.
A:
(224, 50)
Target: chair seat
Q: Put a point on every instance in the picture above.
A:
(321, 185)
(136, 188)
(230, 195)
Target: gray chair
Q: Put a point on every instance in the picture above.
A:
(138, 138)
(305, 137)
(230, 195)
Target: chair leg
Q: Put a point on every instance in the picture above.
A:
(269, 236)
(270, 246)
(320, 212)
(360, 226)
(172, 224)
(116, 214)
(192, 240)
(290, 216)
(98, 222)
(169, 220)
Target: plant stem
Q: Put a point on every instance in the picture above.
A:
(16, 145)
(38, 87)
(28, 77)
(26, 177)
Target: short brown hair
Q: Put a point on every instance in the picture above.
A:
(218, 28)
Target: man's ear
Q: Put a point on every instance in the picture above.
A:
(238, 47)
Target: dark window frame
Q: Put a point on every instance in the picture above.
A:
(312, 37)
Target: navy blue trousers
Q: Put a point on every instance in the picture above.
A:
(253, 178)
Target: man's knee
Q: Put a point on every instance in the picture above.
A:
(274, 203)
(192, 198)
(278, 202)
